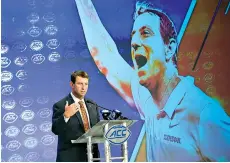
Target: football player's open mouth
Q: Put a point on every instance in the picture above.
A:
(140, 60)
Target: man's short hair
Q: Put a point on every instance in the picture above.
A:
(80, 73)
(167, 28)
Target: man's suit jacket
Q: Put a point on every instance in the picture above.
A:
(73, 129)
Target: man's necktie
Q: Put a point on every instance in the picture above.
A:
(162, 114)
(84, 116)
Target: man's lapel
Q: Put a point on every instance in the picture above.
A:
(78, 115)
(92, 113)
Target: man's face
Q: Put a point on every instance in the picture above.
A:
(80, 87)
(148, 49)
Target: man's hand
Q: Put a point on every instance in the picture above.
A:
(70, 110)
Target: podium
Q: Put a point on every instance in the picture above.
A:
(96, 135)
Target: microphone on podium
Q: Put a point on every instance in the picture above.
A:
(108, 114)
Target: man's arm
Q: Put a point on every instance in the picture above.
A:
(58, 122)
(62, 128)
(214, 133)
(104, 51)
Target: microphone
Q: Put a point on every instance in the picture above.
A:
(105, 112)
(108, 114)
(89, 101)
(116, 114)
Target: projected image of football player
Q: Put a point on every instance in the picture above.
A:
(182, 122)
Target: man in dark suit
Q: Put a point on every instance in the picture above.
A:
(72, 117)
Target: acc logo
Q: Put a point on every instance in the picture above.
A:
(26, 102)
(51, 30)
(49, 17)
(9, 104)
(12, 131)
(34, 31)
(27, 115)
(13, 145)
(21, 74)
(15, 158)
(10, 117)
(53, 43)
(44, 113)
(54, 57)
(38, 58)
(4, 49)
(46, 126)
(36, 45)
(47, 139)
(20, 61)
(5, 62)
(6, 76)
(7, 90)
(118, 134)
(30, 142)
(29, 129)
(32, 156)
(33, 18)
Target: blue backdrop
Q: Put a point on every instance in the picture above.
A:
(42, 43)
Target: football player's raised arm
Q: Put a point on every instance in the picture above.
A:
(104, 51)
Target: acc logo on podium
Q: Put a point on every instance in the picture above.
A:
(117, 134)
